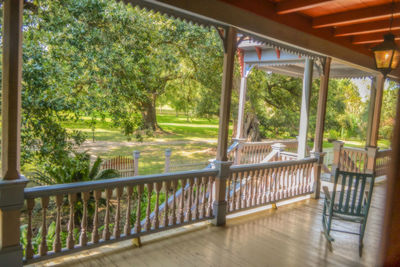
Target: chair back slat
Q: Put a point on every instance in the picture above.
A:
(353, 203)
(352, 197)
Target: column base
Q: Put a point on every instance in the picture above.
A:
(11, 256)
(219, 212)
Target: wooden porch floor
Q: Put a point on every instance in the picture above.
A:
(289, 236)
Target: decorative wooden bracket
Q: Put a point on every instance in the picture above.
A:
(222, 32)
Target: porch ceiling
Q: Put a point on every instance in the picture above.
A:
(336, 28)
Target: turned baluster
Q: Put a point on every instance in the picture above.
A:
(43, 244)
(127, 228)
(95, 232)
(264, 186)
(117, 220)
(57, 239)
(233, 204)
(83, 239)
(71, 226)
(138, 227)
(147, 224)
(30, 203)
(190, 200)
(250, 180)
(203, 196)
(279, 179)
(174, 185)
(255, 188)
(239, 200)
(260, 186)
(167, 185)
(157, 188)
(210, 196)
(197, 198)
(181, 200)
(106, 230)
(245, 179)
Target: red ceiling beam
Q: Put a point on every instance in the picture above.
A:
(357, 16)
(369, 27)
(290, 6)
(373, 38)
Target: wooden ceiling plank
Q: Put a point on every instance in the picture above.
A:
(290, 6)
(356, 16)
(373, 38)
(366, 28)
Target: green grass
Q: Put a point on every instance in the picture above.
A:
(192, 140)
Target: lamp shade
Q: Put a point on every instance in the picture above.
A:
(387, 54)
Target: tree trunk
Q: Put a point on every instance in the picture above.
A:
(149, 114)
(251, 129)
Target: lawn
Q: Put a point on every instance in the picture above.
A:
(191, 141)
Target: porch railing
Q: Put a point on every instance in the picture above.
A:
(255, 152)
(66, 218)
(361, 160)
(382, 161)
(249, 186)
(89, 214)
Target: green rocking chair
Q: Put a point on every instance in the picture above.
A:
(350, 203)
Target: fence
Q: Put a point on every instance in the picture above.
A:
(123, 164)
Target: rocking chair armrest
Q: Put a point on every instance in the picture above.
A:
(327, 194)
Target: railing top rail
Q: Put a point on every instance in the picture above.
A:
(277, 164)
(356, 149)
(294, 141)
(383, 153)
(287, 153)
(52, 190)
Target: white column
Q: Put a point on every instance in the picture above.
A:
(242, 103)
(12, 183)
(305, 108)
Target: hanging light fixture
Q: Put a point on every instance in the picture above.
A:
(387, 54)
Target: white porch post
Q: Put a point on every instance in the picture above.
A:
(219, 205)
(11, 183)
(305, 108)
(242, 103)
(374, 113)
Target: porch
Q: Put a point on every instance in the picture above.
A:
(288, 236)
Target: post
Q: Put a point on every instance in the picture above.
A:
(321, 109)
(317, 173)
(371, 159)
(136, 156)
(389, 247)
(337, 148)
(219, 205)
(12, 183)
(167, 160)
(374, 113)
(226, 92)
(242, 104)
(277, 148)
(305, 108)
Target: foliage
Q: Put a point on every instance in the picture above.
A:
(75, 169)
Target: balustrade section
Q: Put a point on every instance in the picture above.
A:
(353, 159)
(256, 152)
(70, 217)
(382, 162)
(249, 186)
